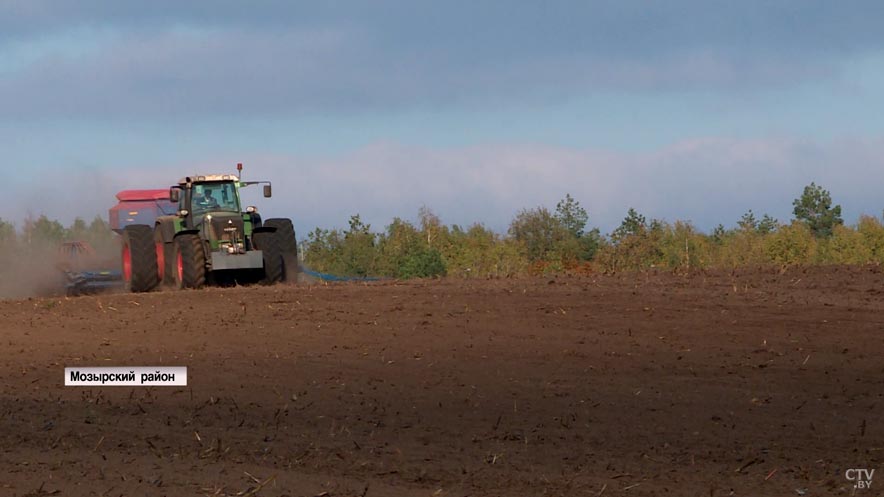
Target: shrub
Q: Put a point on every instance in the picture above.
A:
(791, 244)
(873, 237)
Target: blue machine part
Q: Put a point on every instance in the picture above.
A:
(86, 282)
(332, 277)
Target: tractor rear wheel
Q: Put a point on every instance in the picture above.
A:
(139, 259)
(288, 245)
(189, 269)
(268, 244)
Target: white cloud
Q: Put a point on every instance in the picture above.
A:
(707, 181)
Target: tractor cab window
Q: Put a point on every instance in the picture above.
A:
(215, 197)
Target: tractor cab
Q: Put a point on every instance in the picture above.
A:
(221, 196)
(210, 204)
(201, 195)
(204, 194)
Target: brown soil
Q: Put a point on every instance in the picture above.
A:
(755, 383)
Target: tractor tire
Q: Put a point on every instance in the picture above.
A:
(189, 269)
(268, 244)
(165, 259)
(139, 259)
(288, 245)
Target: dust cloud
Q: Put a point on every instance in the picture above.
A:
(40, 270)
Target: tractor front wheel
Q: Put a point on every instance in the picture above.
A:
(288, 246)
(189, 263)
(268, 244)
(139, 259)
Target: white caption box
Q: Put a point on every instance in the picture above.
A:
(141, 376)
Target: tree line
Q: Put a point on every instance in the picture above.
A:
(44, 233)
(541, 240)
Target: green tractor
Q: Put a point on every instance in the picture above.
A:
(210, 240)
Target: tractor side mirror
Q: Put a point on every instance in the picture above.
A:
(174, 194)
(267, 191)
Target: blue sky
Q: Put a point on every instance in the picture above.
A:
(694, 110)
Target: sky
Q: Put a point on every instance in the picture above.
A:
(684, 110)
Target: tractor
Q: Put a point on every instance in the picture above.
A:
(210, 240)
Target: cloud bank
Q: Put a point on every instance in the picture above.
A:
(706, 181)
(173, 60)
(476, 109)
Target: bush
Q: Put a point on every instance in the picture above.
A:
(404, 252)
(844, 246)
(740, 248)
(543, 237)
(791, 244)
(422, 263)
(872, 233)
(682, 247)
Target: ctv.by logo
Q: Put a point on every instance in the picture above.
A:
(861, 478)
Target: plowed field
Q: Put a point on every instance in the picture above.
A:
(748, 383)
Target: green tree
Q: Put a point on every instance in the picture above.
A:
(574, 219)
(480, 252)
(44, 232)
(7, 233)
(636, 244)
(633, 224)
(748, 222)
(572, 216)
(78, 230)
(99, 229)
(681, 246)
(99, 234)
(359, 251)
(767, 225)
(431, 226)
(423, 263)
(719, 233)
(589, 244)
(543, 236)
(814, 208)
(405, 252)
(323, 251)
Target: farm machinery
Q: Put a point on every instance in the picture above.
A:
(194, 234)
(209, 239)
(76, 260)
